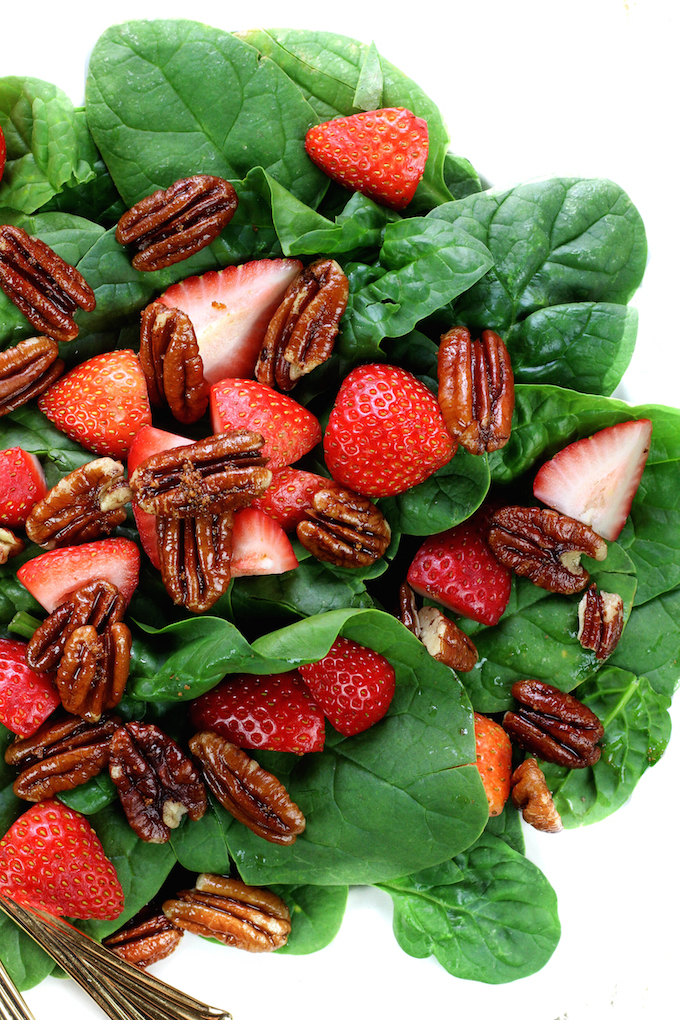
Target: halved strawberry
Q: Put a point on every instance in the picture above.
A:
(230, 311)
(148, 441)
(290, 495)
(55, 574)
(259, 545)
(27, 698)
(22, 485)
(494, 761)
(595, 479)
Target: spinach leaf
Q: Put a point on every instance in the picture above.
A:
(24, 960)
(93, 796)
(460, 176)
(97, 199)
(28, 428)
(316, 914)
(649, 645)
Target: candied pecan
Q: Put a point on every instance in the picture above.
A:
(157, 783)
(42, 286)
(10, 545)
(97, 603)
(600, 621)
(222, 472)
(172, 224)
(195, 558)
(408, 608)
(531, 796)
(544, 546)
(232, 912)
(476, 389)
(86, 504)
(172, 364)
(94, 669)
(145, 939)
(27, 370)
(302, 331)
(445, 641)
(344, 528)
(554, 725)
(252, 795)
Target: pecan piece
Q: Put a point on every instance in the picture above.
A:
(476, 389)
(344, 528)
(531, 796)
(172, 224)
(445, 641)
(232, 912)
(27, 370)
(145, 939)
(248, 792)
(94, 669)
(172, 364)
(600, 621)
(408, 608)
(10, 545)
(42, 286)
(195, 558)
(85, 504)
(98, 603)
(545, 546)
(302, 331)
(222, 472)
(554, 725)
(157, 783)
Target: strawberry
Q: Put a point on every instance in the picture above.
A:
(457, 569)
(381, 153)
(55, 574)
(27, 698)
(289, 430)
(22, 485)
(290, 495)
(273, 712)
(52, 858)
(102, 403)
(385, 432)
(494, 761)
(594, 480)
(354, 686)
(259, 545)
(148, 441)
(230, 311)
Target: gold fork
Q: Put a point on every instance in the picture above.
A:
(12, 1005)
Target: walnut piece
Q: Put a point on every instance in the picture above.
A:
(172, 364)
(531, 796)
(344, 528)
(94, 669)
(554, 725)
(27, 370)
(600, 621)
(195, 558)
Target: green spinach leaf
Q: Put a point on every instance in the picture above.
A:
(316, 913)
(650, 645)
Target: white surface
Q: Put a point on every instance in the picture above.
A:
(528, 89)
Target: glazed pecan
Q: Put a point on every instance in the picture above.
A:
(157, 783)
(98, 603)
(544, 546)
(94, 669)
(408, 608)
(302, 331)
(195, 558)
(10, 545)
(222, 472)
(553, 725)
(249, 793)
(172, 365)
(600, 621)
(84, 505)
(64, 753)
(445, 641)
(232, 912)
(476, 389)
(26, 371)
(172, 224)
(42, 286)
(531, 796)
(146, 939)
(344, 528)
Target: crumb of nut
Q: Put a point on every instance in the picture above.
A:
(530, 795)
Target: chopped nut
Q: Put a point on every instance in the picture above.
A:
(445, 641)
(344, 529)
(27, 370)
(554, 725)
(531, 796)
(600, 621)
(84, 505)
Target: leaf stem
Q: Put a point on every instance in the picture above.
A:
(24, 625)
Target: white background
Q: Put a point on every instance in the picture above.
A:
(527, 89)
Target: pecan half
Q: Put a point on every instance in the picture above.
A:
(27, 370)
(531, 796)
(344, 528)
(171, 362)
(86, 504)
(408, 608)
(544, 546)
(222, 472)
(157, 784)
(476, 389)
(195, 558)
(301, 334)
(94, 669)
(445, 641)
(98, 603)
(42, 286)
(600, 621)
(146, 939)
(232, 912)
(172, 224)
(252, 795)
(10, 545)
(554, 725)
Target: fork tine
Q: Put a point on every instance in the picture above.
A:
(12, 1005)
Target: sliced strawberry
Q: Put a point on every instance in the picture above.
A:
(52, 858)
(22, 485)
(55, 574)
(381, 153)
(290, 495)
(148, 441)
(102, 403)
(354, 686)
(230, 311)
(271, 712)
(27, 698)
(494, 761)
(289, 429)
(259, 545)
(594, 480)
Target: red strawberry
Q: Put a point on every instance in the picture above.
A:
(385, 432)
(289, 430)
(27, 698)
(290, 495)
(52, 858)
(22, 485)
(271, 712)
(594, 480)
(101, 403)
(354, 686)
(55, 574)
(381, 153)
(147, 442)
(230, 311)
(457, 569)
(259, 545)
(494, 761)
